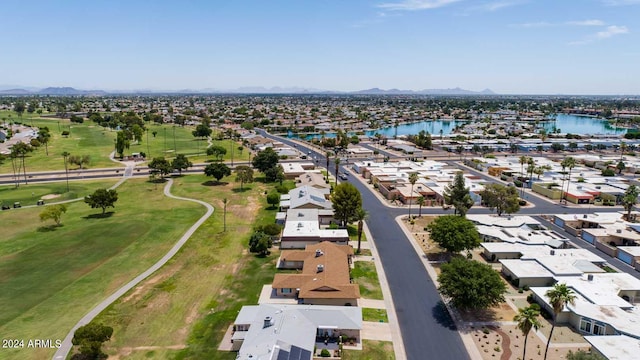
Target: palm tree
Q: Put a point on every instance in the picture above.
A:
(327, 155)
(527, 318)
(65, 155)
(421, 202)
(559, 296)
(629, 199)
(361, 215)
(337, 162)
(569, 162)
(523, 160)
(413, 177)
(224, 221)
(564, 166)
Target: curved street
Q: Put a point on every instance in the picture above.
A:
(64, 350)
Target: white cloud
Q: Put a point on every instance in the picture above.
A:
(539, 24)
(611, 31)
(413, 5)
(497, 5)
(592, 22)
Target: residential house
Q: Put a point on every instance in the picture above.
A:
(324, 278)
(287, 332)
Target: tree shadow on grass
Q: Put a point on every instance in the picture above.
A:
(48, 228)
(99, 216)
(238, 190)
(214, 183)
(441, 314)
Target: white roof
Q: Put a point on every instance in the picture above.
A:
(503, 221)
(525, 268)
(616, 347)
(631, 250)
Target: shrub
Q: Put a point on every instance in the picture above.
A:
(325, 353)
(282, 189)
(525, 288)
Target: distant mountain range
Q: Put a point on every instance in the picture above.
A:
(50, 91)
(62, 91)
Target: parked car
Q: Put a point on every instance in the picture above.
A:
(16, 205)
(40, 202)
(343, 176)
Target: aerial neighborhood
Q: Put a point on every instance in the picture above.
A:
(305, 227)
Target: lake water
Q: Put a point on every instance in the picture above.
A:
(564, 122)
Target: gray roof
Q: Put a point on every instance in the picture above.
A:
(304, 195)
(291, 331)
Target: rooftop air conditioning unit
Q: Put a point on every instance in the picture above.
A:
(552, 252)
(618, 231)
(590, 277)
(319, 253)
(320, 268)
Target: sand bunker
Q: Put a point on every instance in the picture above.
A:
(50, 196)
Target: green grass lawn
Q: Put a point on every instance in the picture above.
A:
(51, 277)
(97, 142)
(194, 299)
(371, 350)
(376, 315)
(31, 193)
(364, 274)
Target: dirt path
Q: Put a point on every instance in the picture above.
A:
(506, 343)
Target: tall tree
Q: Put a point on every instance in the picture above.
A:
(19, 107)
(44, 136)
(457, 194)
(202, 131)
(218, 151)
(66, 155)
(413, 178)
(570, 163)
(500, 197)
(559, 296)
(244, 174)
(225, 201)
(79, 160)
(470, 284)
(360, 216)
(346, 201)
(180, 163)
(527, 318)
(630, 199)
(20, 150)
(102, 198)
(217, 170)
(89, 338)
(421, 202)
(265, 159)
(161, 166)
(122, 143)
(523, 160)
(53, 212)
(454, 233)
(336, 161)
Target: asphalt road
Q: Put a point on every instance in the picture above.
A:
(427, 329)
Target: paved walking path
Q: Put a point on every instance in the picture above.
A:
(371, 304)
(64, 350)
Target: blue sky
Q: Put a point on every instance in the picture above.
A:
(509, 46)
